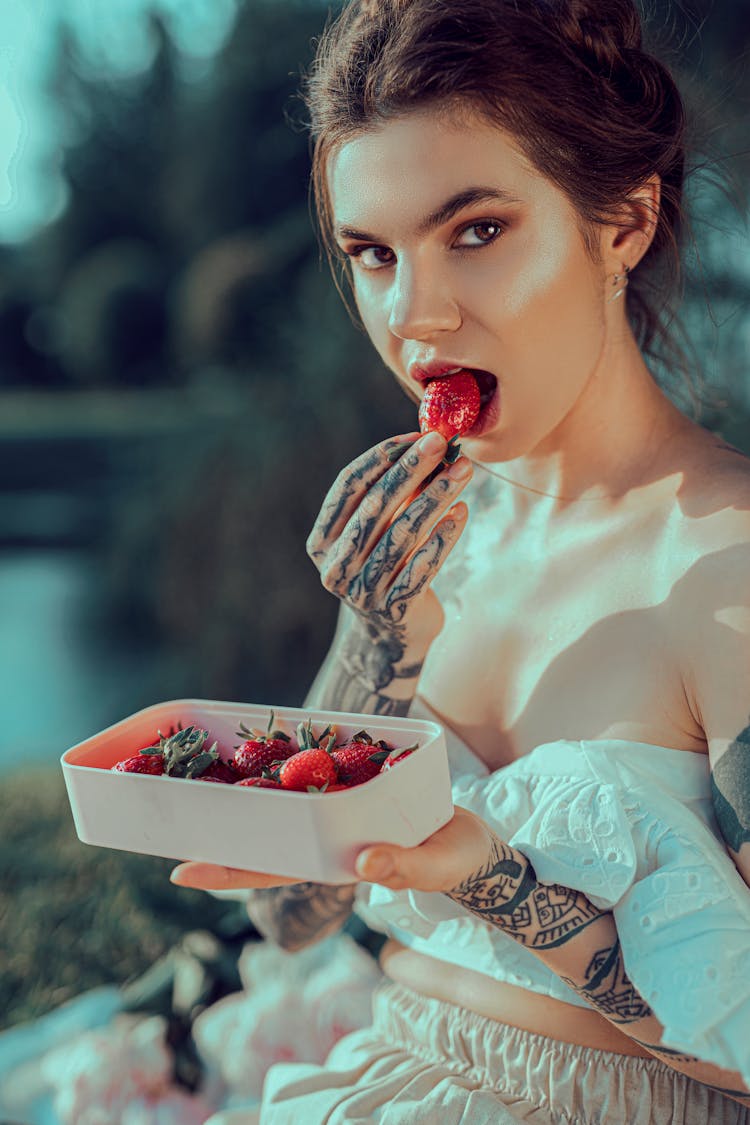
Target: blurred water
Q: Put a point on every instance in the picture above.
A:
(59, 682)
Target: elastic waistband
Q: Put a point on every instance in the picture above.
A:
(576, 1084)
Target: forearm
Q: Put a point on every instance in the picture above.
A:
(579, 943)
(368, 672)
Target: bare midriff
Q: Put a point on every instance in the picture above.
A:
(506, 1003)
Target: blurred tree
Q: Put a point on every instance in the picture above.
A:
(118, 138)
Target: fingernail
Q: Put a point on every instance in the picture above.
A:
(432, 443)
(202, 876)
(377, 867)
(460, 470)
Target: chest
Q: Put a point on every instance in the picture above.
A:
(569, 644)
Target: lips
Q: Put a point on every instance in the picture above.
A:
(426, 373)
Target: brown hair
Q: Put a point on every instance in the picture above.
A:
(592, 110)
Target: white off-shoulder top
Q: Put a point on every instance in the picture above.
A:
(631, 825)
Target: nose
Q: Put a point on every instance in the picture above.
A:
(421, 306)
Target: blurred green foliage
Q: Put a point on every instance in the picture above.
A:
(74, 917)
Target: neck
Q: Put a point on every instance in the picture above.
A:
(612, 441)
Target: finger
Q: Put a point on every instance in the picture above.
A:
(424, 564)
(347, 490)
(430, 866)
(376, 511)
(210, 877)
(414, 528)
(442, 862)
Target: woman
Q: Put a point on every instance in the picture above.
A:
(504, 181)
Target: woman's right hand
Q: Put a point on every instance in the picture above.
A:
(383, 534)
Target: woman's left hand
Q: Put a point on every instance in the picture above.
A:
(442, 862)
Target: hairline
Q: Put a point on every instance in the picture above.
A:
(455, 114)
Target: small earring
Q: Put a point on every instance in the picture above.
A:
(616, 279)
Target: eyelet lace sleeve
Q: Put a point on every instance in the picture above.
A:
(631, 826)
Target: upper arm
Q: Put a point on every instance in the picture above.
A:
(718, 611)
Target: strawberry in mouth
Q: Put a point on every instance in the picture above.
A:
(458, 404)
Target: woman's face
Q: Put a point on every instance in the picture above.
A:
(464, 256)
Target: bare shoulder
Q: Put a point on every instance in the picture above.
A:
(714, 499)
(711, 545)
(708, 607)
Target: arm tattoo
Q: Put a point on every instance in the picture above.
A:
(362, 670)
(682, 1062)
(505, 892)
(740, 1095)
(299, 914)
(607, 987)
(667, 1053)
(730, 790)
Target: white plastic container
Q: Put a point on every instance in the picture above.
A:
(312, 836)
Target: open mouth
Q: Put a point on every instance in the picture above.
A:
(489, 401)
(489, 397)
(487, 384)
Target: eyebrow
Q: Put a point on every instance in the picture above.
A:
(442, 214)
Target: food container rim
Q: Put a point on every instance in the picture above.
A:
(390, 722)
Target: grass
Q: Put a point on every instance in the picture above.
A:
(74, 917)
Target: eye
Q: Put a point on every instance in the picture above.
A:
(371, 257)
(485, 233)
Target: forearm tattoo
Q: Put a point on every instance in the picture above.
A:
(606, 986)
(730, 790)
(506, 893)
(680, 1061)
(360, 672)
(667, 1053)
(299, 914)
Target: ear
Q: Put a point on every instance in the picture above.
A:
(627, 239)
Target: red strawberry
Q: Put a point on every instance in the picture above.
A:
(308, 769)
(259, 782)
(450, 405)
(397, 756)
(357, 761)
(144, 762)
(220, 771)
(260, 751)
(181, 754)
